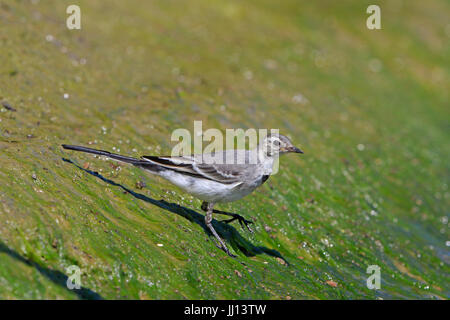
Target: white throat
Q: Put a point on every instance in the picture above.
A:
(266, 160)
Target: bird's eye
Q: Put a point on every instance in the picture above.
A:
(276, 143)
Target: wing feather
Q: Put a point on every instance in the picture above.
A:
(189, 166)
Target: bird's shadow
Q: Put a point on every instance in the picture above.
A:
(226, 231)
(55, 276)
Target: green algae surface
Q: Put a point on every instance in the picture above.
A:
(369, 108)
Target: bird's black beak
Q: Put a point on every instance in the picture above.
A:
(295, 150)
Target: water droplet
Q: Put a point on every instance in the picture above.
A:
(375, 65)
(300, 99)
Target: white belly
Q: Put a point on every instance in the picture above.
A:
(207, 190)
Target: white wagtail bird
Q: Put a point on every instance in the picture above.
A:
(227, 176)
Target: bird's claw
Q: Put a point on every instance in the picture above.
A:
(226, 250)
(242, 221)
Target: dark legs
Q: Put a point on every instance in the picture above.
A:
(234, 216)
(242, 221)
(208, 207)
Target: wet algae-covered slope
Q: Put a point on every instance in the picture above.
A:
(368, 107)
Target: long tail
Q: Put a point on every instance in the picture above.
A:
(137, 162)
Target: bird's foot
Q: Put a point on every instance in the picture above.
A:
(228, 252)
(223, 247)
(242, 221)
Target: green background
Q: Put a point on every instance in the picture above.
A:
(370, 108)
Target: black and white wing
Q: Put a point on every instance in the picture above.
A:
(222, 173)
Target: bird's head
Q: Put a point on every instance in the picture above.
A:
(274, 144)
